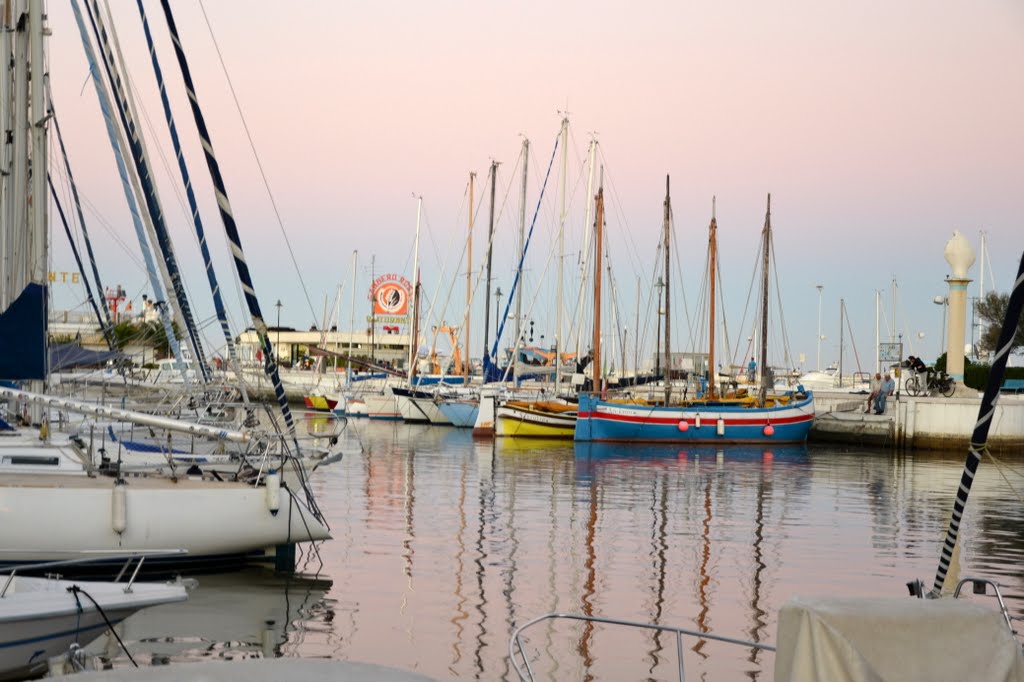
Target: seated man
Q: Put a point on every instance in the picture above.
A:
(887, 388)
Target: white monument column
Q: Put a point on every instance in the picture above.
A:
(960, 257)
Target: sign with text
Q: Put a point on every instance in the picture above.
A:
(391, 294)
(890, 352)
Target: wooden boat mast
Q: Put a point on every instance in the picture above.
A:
(598, 246)
(668, 289)
(767, 238)
(712, 258)
(469, 277)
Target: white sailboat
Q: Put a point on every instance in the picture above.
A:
(42, 618)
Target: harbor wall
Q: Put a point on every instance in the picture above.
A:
(934, 423)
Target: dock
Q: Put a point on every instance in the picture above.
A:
(921, 423)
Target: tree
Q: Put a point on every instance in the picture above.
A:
(992, 311)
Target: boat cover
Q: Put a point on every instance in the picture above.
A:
(846, 639)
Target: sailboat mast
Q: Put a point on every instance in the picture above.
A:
(487, 296)
(668, 289)
(765, 265)
(598, 245)
(38, 247)
(712, 258)
(6, 123)
(842, 315)
(522, 237)
(414, 334)
(469, 280)
(560, 287)
(351, 319)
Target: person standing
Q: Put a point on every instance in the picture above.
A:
(887, 388)
(751, 371)
(876, 386)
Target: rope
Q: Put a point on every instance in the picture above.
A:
(76, 590)
(1002, 468)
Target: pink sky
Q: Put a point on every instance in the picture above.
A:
(879, 129)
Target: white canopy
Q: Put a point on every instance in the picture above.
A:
(847, 639)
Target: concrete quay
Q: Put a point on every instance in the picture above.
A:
(909, 423)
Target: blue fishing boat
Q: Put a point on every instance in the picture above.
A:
(715, 415)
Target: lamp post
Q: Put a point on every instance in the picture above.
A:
(944, 302)
(278, 344)
(819, 287)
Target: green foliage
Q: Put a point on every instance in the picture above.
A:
(992, 311)
(976, 375)
(139, 333)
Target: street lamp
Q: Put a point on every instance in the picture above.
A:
(944, 302)
(278, 344)
(819, 287)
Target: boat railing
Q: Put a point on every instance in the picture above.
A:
(138, 557)
(980, 586)
(521, 661)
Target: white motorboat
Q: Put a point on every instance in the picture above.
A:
(43, 617)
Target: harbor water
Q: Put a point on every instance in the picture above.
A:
(443, 544)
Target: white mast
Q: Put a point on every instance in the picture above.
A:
(351, 319)
(522, 240)
(6, 216)
(560, 290)
(414, 335)
(878, 346)
(16, 256)
(37, 246)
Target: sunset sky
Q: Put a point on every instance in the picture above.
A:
(878, 128)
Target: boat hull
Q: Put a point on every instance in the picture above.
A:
(601, 420)
(46, 518)
(523, 422)
(460, 413)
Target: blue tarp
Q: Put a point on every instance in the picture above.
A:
(23, 336)
(72, 355)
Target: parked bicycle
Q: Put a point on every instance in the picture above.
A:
(929, 383)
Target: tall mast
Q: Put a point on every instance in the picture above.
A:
(668, 289)
(878, 307)
(842, 314)
(487, 296)
(712, 258)
(351, 318)
(211, 276)
(560, 287)
(598, 245)
(586, 245)
(230, 227)
(414, 335)
(6, 139)
(766, 263)
(522, 238)
(38, 247)
(469, 280)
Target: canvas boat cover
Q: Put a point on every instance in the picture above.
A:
(847, 639)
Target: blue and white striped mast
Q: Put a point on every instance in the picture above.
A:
(136, 145)
(126, 183)
(979, 438)
(218, 301)
(230, 228)
(101, 306)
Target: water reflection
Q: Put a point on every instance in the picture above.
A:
(442, 544)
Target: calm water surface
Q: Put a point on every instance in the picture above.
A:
(441, 544)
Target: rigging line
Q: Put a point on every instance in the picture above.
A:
(259, 164)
